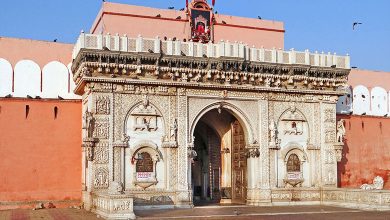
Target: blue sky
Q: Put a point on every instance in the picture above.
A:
(314, 25)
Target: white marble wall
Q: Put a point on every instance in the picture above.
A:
(27, 78)
(361, 100)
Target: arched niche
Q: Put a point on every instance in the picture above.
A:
(27, 79)
(144, 122)
(361, 100)
(294, 166)
(55, 80)
(72, 84)
(5, 78)
(379, 101)
(344, 103)
(292, 126)
(146, 164)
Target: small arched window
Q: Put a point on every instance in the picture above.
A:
(144, 163)
(293, 163)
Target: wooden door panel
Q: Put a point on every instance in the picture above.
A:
(239, 158)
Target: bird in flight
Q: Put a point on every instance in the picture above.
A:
(354, 25)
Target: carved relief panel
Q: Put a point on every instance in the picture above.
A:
(293, 127)
(102, 105)
(100, 179)
(101, 129)
(145, 122)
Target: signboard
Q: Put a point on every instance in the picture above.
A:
(294, 176)
(144, 176)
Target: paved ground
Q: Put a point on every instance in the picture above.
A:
(211, 212)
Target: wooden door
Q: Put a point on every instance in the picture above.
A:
(239, 181)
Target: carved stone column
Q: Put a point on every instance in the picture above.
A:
(183, 188)
(117, 186)
(329, 165)
(253, 154)
(264, 196)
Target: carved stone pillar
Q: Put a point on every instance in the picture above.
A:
(117, 186)
(264, 196)
(183, 188)
(253, 154)
(329, 165)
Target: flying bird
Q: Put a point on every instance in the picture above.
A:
(171, 7)
(354, 25)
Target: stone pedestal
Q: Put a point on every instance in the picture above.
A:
(113, 206)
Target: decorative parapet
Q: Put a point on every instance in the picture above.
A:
(211, 50)
(107, 58)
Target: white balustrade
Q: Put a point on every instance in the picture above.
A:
(220, 49)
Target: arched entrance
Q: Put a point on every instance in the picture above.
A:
(219, 171)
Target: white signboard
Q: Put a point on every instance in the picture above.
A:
(144, 176)
(294, 176)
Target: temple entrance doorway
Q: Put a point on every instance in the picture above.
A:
(219, 171)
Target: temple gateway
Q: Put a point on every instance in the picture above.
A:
(172, 123)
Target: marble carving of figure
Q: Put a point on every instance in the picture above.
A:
(377, 184)
(340, 130)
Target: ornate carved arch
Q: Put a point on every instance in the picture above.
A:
(232, 109)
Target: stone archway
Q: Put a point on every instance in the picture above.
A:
(219, 170)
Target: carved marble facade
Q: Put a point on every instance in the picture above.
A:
(141, 110)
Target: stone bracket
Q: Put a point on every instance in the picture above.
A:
(89, 145)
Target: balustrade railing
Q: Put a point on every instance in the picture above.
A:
(212, 50)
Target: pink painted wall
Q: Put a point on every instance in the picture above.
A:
(42, 52)
(41, 154)
(366, 152)
(134, 20)
(369, 78)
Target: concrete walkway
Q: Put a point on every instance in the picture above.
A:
(210, 212)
